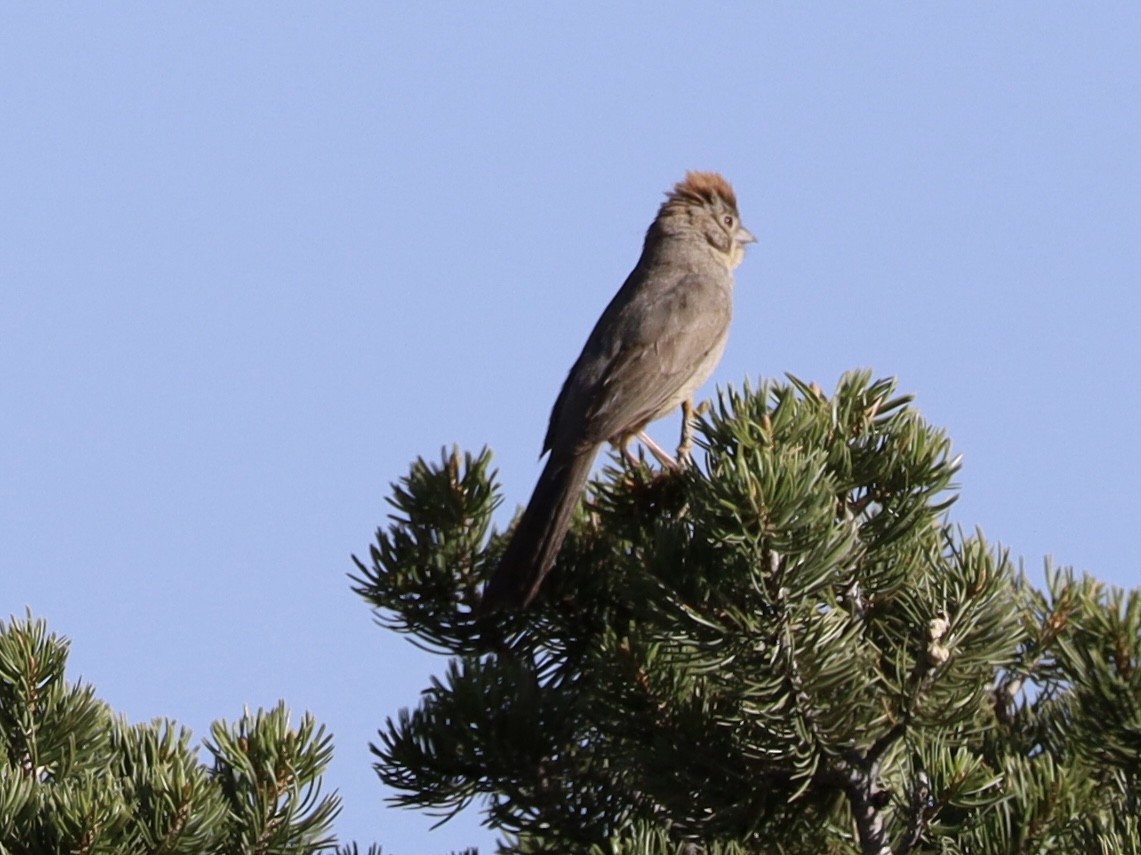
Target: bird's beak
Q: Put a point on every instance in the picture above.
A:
(743, 235)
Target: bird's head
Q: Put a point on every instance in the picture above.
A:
(706, 204)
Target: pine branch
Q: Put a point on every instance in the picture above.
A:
(76, 778)
(784, 647)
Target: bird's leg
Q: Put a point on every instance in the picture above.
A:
(688, 413)
(628, 456)
(685, 444)
(663, 456)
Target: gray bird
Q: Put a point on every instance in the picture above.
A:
(656, 343)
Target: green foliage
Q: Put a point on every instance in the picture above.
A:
(75, 778)
(785, 648)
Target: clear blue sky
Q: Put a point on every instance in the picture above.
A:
(254, 258)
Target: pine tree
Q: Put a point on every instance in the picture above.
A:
(76, 778)
(786, 648)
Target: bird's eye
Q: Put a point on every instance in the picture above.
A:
(728, 220)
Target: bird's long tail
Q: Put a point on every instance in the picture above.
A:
(539, 533)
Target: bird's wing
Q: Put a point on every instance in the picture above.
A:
(643, 353)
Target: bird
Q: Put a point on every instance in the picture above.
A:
(657, 341)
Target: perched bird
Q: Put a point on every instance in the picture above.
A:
(657, 341)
